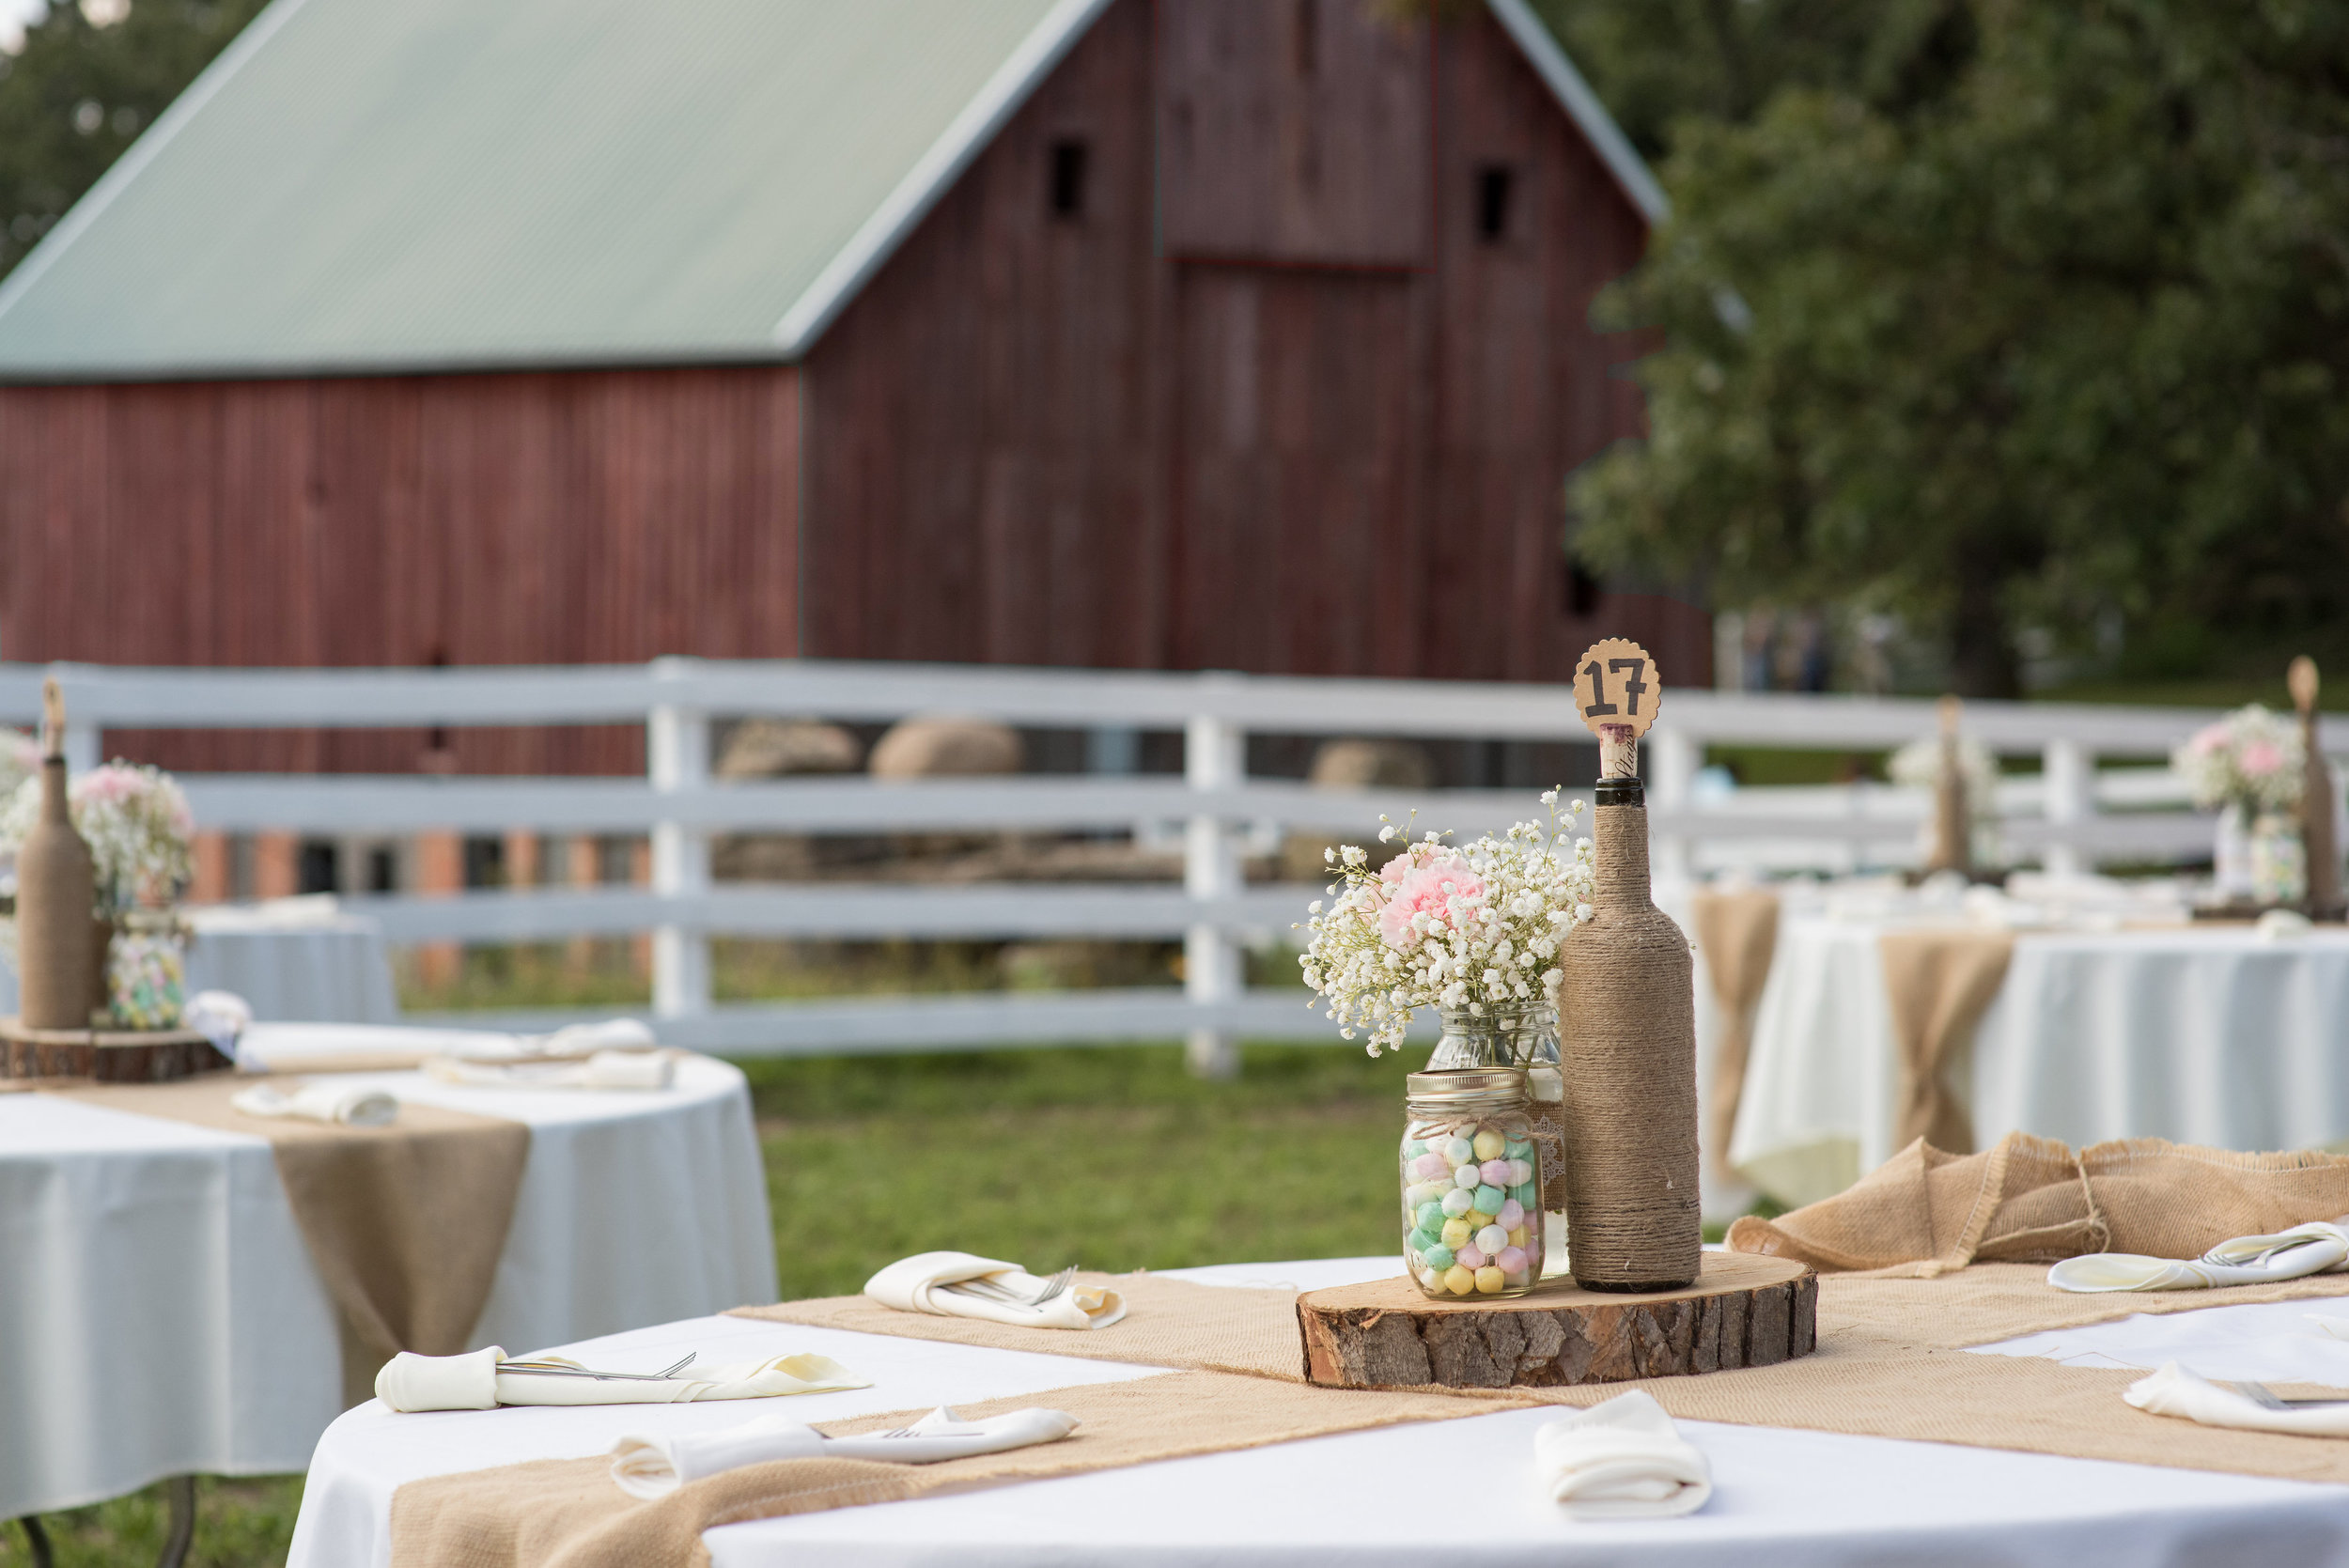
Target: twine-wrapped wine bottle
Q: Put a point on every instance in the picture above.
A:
(1627, 1016)
(55, 883)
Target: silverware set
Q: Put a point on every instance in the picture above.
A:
(987, 1290)
(2260, 1394)
(557, 1369)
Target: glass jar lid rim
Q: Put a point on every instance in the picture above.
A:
(1459, 1085)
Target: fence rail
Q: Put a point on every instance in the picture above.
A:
(1213, 809)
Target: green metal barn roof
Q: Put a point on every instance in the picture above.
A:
(414, 184)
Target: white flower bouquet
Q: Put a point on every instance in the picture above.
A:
(1918, 765)
(2251, 758)
(1477, 926)
(136, 822)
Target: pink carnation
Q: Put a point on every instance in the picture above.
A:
(2261, 757)
(1429, 887)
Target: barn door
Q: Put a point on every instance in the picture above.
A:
(1295, 130)
(1300, 443)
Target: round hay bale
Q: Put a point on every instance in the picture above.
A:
(942, 746)
(781, 748)
(1373, 764)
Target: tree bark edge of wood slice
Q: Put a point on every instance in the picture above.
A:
(1744, 1310)
(106, 1055)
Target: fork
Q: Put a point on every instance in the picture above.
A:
(543, 1369)
(2260, 1394)
(989, 1290)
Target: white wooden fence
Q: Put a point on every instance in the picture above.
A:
(2071, 818)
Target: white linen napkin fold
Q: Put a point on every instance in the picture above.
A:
(2322, 1247)
(605, 1069)
(916, 1284)
(653, 1467)
(343, 1103)
(1622, 1460)
(409, 1382)
(2178, 1390)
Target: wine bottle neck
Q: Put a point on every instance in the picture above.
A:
(1620, 826)
(52, 791)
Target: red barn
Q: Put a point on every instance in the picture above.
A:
(1169, 333)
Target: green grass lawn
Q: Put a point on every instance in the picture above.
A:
(1110, 1157)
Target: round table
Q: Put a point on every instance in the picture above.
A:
(1374, 1497)
(162, 1316)
(2208, 1033)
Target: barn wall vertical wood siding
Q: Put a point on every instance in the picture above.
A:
(1039, 440)
(402, 521)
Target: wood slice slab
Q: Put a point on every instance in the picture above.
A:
(107, 1056)
(1744, 1310)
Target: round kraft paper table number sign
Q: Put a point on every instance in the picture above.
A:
(1617, 693)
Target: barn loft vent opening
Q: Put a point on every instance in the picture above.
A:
(1583, 592)
(1069, 179)
(1493, 183)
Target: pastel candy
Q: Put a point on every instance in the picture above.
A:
(1430, 1217)
(1415, 1148)
(1470, 1257)
(1438, 1256)
(1432, 1278)
(1517, 1149)
(1462, 1282)
(1456, 1233)
(1496, 1172)
(1431, 1166)
(1467, 1176)
(1491, 1239)
(1517, 1237)
(1524, 1195)
(1477, 1218)
(1489, 1144)
(1457, 1202)
(1423, 1242)
(1489, 1199)
(1489, 1278)
(1426, 1192)
(1512, 1260)
(1512, 1215)
(1459, 1151)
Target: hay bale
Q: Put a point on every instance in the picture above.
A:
(1354, 765)
(937, 746)
(784, 748)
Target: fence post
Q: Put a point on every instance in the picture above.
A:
(1214, 757)
(2068, 776)
(676, 754)
(1672, 762)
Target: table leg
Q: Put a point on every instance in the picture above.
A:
(179, 1491)
(36, 1540)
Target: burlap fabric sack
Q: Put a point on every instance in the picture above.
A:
(1738, 932)
(2033, 1200)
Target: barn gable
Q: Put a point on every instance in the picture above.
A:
(439, 184)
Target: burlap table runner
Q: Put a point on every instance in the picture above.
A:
(1940, 981)
(405, 1223)
(1738, 932)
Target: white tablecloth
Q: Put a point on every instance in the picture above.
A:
(158, 1315)
(1456, 1492)
(2202, 1034)
(292, 958)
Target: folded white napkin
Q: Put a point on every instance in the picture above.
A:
(605, 1069)
(2320, 1247)
(607, 1034)
(220, 1017)
(2177, 1390)
(653, 1467)
(347, 1104)
(1622, 1460)
(913, 1286)
(472, 1382)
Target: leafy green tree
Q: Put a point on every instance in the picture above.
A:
(1998, 315)
(78, 94)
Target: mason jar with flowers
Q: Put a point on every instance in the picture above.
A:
(1472, 931)
(2247, 767)
(141, 835)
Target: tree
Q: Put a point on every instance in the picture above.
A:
(78, 94)
(1998, 315)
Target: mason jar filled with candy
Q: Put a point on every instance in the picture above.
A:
(1472, 1184)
